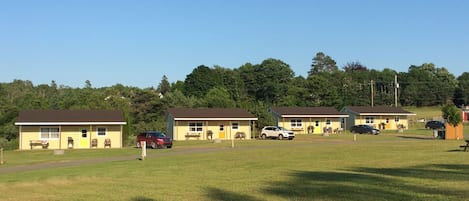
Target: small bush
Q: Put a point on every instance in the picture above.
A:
(9, 144)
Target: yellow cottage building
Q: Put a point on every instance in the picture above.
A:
(381, 117)
(209, 123)
(70, 129)
(309, 120)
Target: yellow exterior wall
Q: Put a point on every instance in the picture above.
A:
(113, 132)
(389, 121)
(307, 122)
(181, 130)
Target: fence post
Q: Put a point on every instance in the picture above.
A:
(1, 156)
(143, 144)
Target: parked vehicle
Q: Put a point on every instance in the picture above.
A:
(277, 132)
(435, 125)
(154, 139)
(364, 129)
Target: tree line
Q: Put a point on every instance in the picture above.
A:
(254, 87)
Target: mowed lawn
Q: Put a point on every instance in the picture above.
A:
(390, 166)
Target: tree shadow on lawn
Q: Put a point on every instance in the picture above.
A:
(141, 198)
(417, 137)
(373, 184)
(222, 195)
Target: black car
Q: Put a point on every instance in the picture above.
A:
(435, 125)
(364, 129)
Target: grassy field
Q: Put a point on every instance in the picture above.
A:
(390, 166)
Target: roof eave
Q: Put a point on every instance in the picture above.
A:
(212, 119)
(309, 115)
(387, 114)
(67, 123)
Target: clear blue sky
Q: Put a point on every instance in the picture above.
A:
(135, 43)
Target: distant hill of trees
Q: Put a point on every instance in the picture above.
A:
(254, 87)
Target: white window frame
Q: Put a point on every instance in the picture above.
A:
(234, 125)
(98, 132)
(296, 123)
(50, 134)
(196, 127)
(328, 122)
(397, 119)
(369, 120)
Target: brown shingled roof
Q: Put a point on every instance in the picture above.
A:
(378, 110)
(49, 116)
(306, 111)
(209, 113)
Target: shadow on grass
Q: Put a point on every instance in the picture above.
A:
(456, 150)
(374, 184)
(141, 198)
(222, 195)
(417, 137)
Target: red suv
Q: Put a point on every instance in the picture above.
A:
(154, 139)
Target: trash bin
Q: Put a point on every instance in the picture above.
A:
(441, 134)
(70, 143)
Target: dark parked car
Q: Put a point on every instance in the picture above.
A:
(435, 125)
(154, 139)
(364, 129)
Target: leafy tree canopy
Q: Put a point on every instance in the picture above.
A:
(322, 63)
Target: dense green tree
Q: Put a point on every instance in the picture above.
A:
(219, 97)
(88, 84)
(178, 85)
(200, 81)
(232, 82)
(324, 90)
(322, 63)
(383, 86)
(452, 114)
(427, 85)
(461, 96)
(164, 85)
(248, 75)
(267, 81)
(354, 66)
(296, 94)
(176, 99)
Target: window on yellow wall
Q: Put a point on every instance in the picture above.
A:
(222, 127)
(101, 131)
(369, 120)
(397, 119)
(296, 123)
(235, 126)
(195, 127)
(328, 122)
(49, 133)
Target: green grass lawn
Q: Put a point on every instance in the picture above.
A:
(391, 166)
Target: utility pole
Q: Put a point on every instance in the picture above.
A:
(396, 86)
(372, 92)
